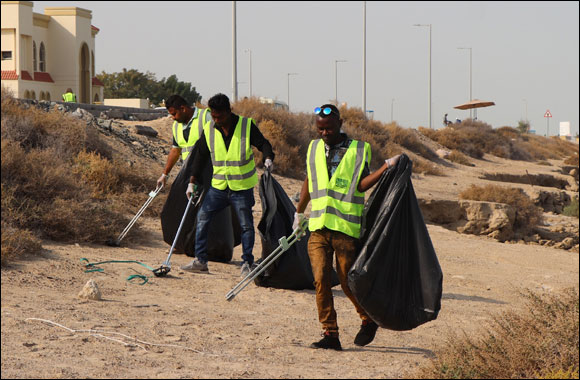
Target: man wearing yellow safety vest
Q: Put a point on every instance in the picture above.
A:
(187, 128)
(338, 175)
(69, 96)
(227, 140)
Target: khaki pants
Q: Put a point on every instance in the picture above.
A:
(321, 247)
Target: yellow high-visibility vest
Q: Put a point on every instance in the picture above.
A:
(198, 120)
(69, 97)
(336, 202)
(234, 167)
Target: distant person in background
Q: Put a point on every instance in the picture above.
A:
(187, 128)
(227, 142)
(338, 175)
(445, 121)
(69, 96)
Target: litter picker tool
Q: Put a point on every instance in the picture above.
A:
(152, 195)
(285, 244)
(166, 266)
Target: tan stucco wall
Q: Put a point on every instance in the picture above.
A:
(64, 31)
(133, 103)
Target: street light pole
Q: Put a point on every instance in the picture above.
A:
(429, 105)
(336, 79)
(250, 70)
(364, 78)
(234, 57)
(289, 89)
(470, 76)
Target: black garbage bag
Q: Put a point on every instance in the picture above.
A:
(292, 269)
(224, 230)
(396, 278)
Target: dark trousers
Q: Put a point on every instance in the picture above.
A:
(215, 201)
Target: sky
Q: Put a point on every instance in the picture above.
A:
(524, 55)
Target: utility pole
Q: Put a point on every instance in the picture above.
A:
(234, 57)
(336, 79)
(364, 78)
(429, 85)
(289, 89)
(250, 70)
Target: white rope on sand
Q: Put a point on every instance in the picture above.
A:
(99, 333)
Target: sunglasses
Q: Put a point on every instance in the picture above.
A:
(324, 111)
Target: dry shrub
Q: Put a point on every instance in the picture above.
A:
(290, 134)
(476, 138)
(539, 343)
(527, 214)
(84, 220)
(58, 180)
(35, 129)
(16, 242)
(107, 177)
(572, 160)
(459, 158)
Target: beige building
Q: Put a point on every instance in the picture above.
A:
(44, 54)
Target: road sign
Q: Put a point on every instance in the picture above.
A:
(548, 114)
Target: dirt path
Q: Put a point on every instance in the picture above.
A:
(181, 326)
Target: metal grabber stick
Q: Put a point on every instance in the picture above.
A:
(152, 195)
(285, 244)
(166, 266)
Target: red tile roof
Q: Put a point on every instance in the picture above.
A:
(95, 28)
(25, 75)
(43, 77)
(97, 82)
(9, 75)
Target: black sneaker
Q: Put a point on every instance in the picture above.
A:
(366, 334)
(329, 340)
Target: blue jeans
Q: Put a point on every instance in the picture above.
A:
(215, 201)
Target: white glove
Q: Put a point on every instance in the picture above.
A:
(268, 164)
(190, 190)
(298, 224)
(162, 180)
(392, 161)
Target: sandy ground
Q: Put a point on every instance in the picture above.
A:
(182, 326)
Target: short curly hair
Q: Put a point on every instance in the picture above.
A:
(219, 102)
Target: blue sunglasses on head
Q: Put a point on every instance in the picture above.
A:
(325, 111)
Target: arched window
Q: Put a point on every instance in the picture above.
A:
(26, 94)
(41, 95)
(34, 63)
(42, 58)
(48, 96)
(96, 98)
(33, 95)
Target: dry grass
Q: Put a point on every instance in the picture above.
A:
(475, 138)
(540, 343)
(459, 158)
(527, 216)
(16, 242)
(290, 134)
(59, 181)
(572, 160)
